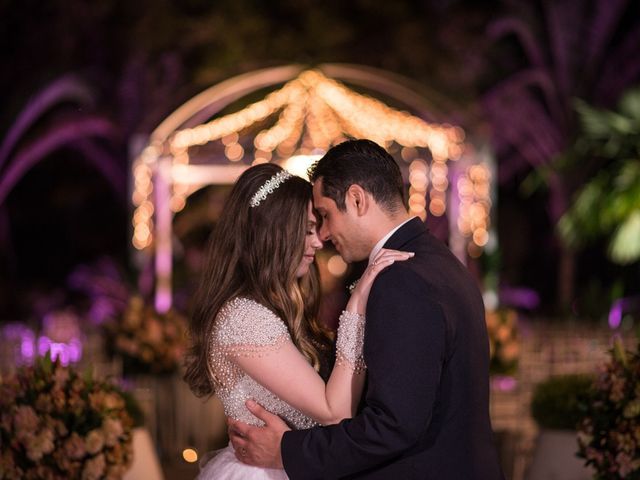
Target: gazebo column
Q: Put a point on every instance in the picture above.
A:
(163, 232)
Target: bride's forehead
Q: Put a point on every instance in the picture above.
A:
(311, 213)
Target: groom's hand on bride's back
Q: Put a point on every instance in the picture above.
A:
(259, 446)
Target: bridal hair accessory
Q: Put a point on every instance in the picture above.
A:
(269, 187)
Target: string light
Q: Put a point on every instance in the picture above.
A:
(475, 207)
(309, 112)
(418, 184)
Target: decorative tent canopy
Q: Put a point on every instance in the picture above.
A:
(208, 141)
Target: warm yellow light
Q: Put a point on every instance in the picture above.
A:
(336, 266)
(229, 139)
(480, 237)
(474, 250)
(177, 203)
(234, 152)
(464, 227)
(457, 134)
(440, 183)
(299, 164)
(138, 244)
(477, 211)
(140, 216)
(481, 189)
(190, 455)
(408, 153)
(418, 180)
(474, 195)
(417, 209)
(419, 165)
(437, 207)
(285, 150)
(417, 199)
(465, 187)
(311, 112)
(455, 151)
(439, 170)
(142, 231)
(262, 154)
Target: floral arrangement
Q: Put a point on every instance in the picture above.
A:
(556, 403)
(55, 424)
(504, 346)
(147, 341)
(609, 434)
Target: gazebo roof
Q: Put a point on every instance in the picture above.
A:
(305, 112)
(314, 112)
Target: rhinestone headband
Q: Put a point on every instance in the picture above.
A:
(268, 187)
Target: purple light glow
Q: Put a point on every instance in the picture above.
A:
(27, 349)
(615, 314)
(19, 339)
(164, 256)
(163, 301)
(61, 325)
(163, 262)
(101, 310)
(503, 383)
(69, 352)
(519, 297)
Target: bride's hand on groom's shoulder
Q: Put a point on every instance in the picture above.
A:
(385, 258)
(259, 446)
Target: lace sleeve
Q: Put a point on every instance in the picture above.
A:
(247, 328)
(351, 341)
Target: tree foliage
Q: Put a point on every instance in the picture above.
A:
(608, 205)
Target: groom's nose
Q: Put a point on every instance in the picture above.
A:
(323, 233)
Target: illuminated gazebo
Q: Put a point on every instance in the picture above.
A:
(292, 115)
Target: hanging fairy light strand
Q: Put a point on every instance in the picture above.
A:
(313, 112)
(474, 193)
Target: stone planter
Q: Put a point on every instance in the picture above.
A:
(145, 460)
(554, 458)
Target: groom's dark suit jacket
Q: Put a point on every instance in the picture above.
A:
(425, 413)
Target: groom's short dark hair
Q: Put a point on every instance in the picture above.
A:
(364, 163)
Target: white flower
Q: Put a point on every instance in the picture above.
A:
(40, 445)
(95, 441)
(112, 430)
(94, 468)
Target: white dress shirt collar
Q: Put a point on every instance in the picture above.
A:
(378, 246)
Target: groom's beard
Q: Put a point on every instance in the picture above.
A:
(354, 252)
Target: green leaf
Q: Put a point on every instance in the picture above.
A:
(594, 122)
(46, 363)
(534, 181)
(618, 123)
(625, 244)
(619, 353)
(630, 104)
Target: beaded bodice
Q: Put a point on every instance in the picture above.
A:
(244, 327)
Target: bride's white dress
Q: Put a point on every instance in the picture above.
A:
(246, 328)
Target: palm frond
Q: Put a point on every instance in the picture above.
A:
(624, 247)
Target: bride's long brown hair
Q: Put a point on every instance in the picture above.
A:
(255, 252)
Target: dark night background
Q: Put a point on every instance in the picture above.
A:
(507, 71)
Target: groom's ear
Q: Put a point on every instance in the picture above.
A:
(358, 199)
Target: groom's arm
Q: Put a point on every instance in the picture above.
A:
(404, 352)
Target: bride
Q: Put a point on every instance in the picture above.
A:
(254, 330)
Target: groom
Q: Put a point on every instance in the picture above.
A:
(425, 411)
